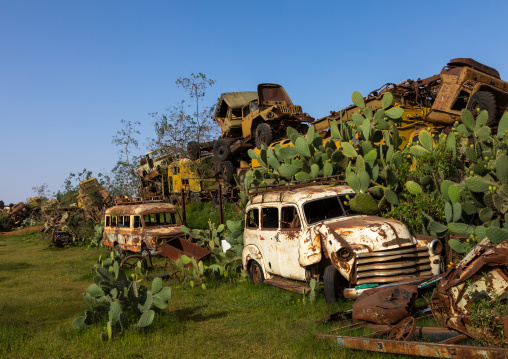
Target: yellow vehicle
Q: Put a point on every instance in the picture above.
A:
(437, 101)
(198, 179)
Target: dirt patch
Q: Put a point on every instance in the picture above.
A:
(21, 231)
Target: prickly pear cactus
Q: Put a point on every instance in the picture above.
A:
(121, 299)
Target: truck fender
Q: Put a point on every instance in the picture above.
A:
(309, 250)
(252, 252)
(334, 244)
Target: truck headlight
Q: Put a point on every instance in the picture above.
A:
(436, 247)
(344, 254)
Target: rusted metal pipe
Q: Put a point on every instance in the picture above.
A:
(184, 216)
(221, 215)
(434, 350)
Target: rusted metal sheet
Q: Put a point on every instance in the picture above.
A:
(385, 305)
(19, 212)
(290, 285)
(481, 275)
(176, 247)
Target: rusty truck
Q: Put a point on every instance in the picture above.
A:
(247, 120)
(311, 232)
(152, 172)
(437, 101)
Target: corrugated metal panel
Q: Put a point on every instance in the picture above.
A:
(239, 99)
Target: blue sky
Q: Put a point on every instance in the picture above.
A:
(71, 70)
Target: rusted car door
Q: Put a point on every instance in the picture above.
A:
(288, 241)
(123, 231)
(268, 237)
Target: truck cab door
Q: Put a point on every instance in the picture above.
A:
(268, 237)
(288, 242)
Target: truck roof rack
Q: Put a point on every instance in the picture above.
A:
(332, 180)
(138, 200)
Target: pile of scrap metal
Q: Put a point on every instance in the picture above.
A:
(58, 223)
(479, 281)
(18, 213)
(469, 302)
(93, 199)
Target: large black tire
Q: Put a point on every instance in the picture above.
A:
(228, 171)
(332, 281)
(483, 100)
(263, 135)
(193, 150)
(256, 273)
(221, 149)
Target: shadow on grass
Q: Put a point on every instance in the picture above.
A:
(16, 266)
(192, 314)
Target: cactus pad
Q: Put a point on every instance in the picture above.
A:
(364, 203)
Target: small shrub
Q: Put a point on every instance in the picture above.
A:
(6, 222)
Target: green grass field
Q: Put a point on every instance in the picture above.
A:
(41, 294)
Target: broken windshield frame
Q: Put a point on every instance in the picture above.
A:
(328, 208)
(159, 219)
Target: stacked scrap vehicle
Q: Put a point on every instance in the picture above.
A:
(437, 101)
(153, 172)
(247, 120)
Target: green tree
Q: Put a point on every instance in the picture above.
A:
(185, 122)
(124, 179)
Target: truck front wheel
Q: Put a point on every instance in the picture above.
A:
(332, 285)
(256, 273)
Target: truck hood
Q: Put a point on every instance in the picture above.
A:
(367, 233)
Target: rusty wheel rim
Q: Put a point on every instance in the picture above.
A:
(404, 330)
(256, 274)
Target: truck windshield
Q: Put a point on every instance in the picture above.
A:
(327, 208)
(159, 219)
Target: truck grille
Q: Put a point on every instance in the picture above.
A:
(291, 110)
(392, 265)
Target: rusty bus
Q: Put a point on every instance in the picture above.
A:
(142, 228)
(313, 233)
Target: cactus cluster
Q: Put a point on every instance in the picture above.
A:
(226, 263)
(454, 183)
(121, 299)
